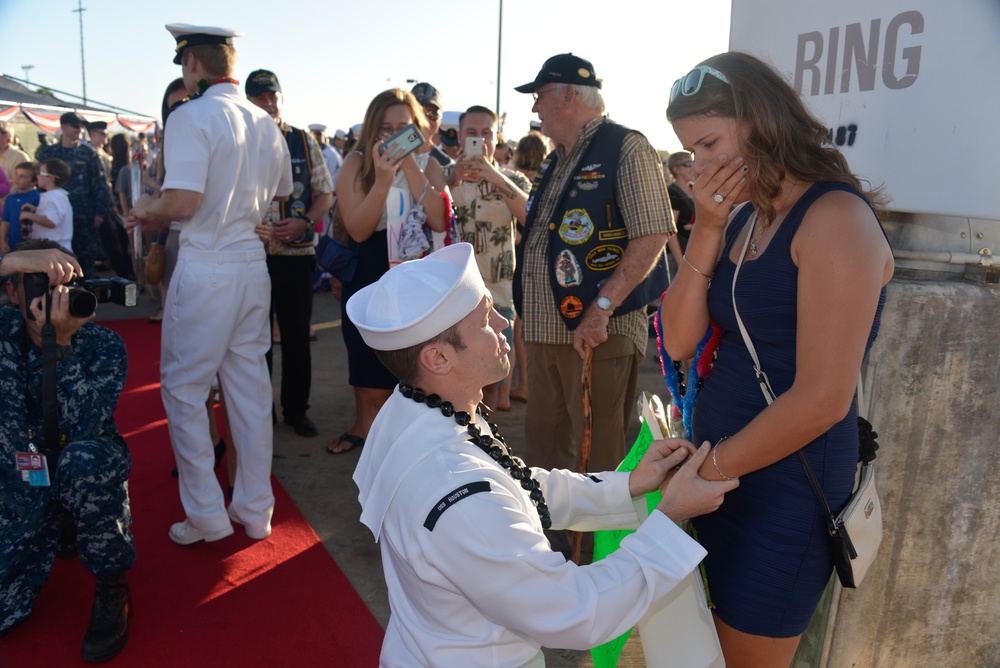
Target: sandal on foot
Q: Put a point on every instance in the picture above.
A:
(355, 441)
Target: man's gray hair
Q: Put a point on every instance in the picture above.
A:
(590, 96)
(6, 129)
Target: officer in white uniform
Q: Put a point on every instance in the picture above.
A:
(225, 161)
(472, 579)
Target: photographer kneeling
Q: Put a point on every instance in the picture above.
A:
(75, 479)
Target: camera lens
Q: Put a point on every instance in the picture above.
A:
(82, 303)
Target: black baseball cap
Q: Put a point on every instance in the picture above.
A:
(427, 94)
(261, 81)
(71, 118)
(97, 125)
(564, 68)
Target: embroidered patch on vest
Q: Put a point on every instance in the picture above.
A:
(589, 185)
(451, 499)
(612, 235)
(605, 257)
(571, 307)
(576, 227)
(568, 271)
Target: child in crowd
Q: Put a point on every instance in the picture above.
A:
(53, 218)
(23, 191)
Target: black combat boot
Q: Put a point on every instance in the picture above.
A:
(109, 618)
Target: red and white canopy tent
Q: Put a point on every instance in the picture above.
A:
(47, 118)
(44, 110)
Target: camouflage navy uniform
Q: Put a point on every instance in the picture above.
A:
(89, 475)
(88, 193)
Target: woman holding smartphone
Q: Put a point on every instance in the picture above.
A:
(364, 183)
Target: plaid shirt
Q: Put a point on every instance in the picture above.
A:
(645, 207)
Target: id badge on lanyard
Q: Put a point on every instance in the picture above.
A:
(33, 467)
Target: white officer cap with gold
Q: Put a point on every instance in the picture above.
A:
(189, 35)
(415, 301)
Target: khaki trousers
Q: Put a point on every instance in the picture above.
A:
(554, 421)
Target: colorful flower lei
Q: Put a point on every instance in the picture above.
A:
(684, 394)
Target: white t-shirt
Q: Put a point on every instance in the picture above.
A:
(333, 162)
(237, 174)
(54, 205)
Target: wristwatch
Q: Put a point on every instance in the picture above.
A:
(604, 303)
(307, 236)
(310, 223)
(62, 352)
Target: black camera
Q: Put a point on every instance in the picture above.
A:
(84, 294)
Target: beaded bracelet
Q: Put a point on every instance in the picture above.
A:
(696, 269)
(715, 463)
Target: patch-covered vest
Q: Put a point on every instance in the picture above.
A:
(301, 198)
(587, 233)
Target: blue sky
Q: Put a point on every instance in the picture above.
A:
(332, 58)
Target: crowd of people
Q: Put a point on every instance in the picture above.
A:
(482, 272)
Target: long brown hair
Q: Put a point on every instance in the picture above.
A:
(783, 138)
(373, 122)
(530, 152)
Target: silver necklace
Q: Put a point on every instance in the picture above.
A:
(753, 240)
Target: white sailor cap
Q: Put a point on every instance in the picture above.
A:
(356, 129)
(189, 35)
(415, 301)
(340, 134)
(317, 127)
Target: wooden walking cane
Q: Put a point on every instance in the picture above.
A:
(588, 430)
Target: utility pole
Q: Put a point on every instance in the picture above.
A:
(499, 52)
(83, 67)
(27, 69)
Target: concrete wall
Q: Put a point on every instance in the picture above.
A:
(933, 596)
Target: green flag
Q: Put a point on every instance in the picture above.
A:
(606, 542)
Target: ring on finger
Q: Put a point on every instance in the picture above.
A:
(718, 198)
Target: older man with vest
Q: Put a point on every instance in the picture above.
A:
(598, 220)
(291, 258)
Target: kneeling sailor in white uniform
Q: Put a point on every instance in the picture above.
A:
(472, 579)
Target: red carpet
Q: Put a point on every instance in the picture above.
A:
(237, 602)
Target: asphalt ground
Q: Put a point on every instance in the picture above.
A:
(321, 484)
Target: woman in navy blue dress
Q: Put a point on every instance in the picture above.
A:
(810, 293)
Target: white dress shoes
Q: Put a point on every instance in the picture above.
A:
(256, 534)
(183, 533)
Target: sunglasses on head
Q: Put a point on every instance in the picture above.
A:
(690, 83)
